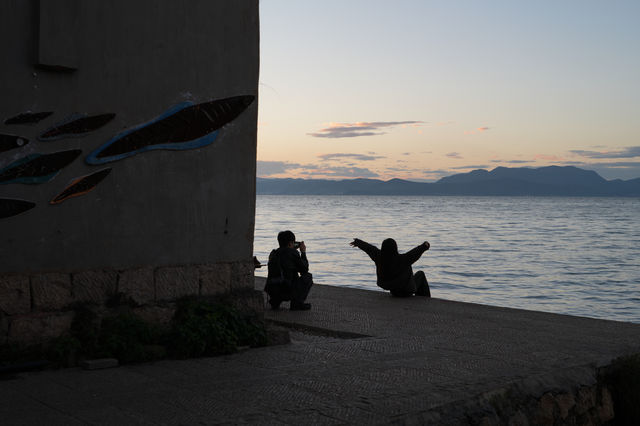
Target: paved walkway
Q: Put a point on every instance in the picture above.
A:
(383, 360)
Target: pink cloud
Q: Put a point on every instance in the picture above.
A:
(477, 130)
(360, 128)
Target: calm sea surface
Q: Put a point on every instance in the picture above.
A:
(578, 256)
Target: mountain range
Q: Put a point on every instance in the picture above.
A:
(520, 181)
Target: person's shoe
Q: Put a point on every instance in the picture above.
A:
(300, 306)
(275, 304)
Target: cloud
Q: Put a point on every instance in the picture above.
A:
(477, 130)
(272, 168)
(345, 172)
(475, 167)
(359, 157)
(545, 157)
(353, 130)
(628, 152)
(455, 155)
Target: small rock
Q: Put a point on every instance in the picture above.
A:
(544, 412)
(606, 411)
(566, 402)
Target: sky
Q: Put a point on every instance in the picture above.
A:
(419, 89)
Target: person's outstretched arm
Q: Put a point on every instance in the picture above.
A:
(414, 254)
(372, 251)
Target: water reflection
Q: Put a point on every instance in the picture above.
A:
(566, 255)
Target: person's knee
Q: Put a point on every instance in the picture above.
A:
(307, 279)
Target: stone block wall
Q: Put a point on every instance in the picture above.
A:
(583, 405)
(574, 396)
(38, 307)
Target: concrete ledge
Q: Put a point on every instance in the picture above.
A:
(463, 361)
(426, 361)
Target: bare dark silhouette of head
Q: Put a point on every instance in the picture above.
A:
(389, 250)
(285, 237)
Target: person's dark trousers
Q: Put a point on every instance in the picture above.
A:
(422, 285)
(417, 285)
(301, 288)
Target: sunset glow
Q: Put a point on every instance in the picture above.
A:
(419, 90)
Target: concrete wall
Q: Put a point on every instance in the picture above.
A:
(162, 208)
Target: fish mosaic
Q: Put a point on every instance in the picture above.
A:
(182, 127)
(37, 168)
(76, 126)
(9, 142)
(28, 117)
(80, 186)
(185, 126)
(9, 207)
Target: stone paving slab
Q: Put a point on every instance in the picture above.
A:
(412, 356)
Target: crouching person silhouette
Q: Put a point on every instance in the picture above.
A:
(288, 276)
(393, 269)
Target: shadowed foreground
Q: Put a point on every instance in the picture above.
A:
(357, 357)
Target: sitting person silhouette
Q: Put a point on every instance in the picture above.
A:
(288, 276)
(393, 269)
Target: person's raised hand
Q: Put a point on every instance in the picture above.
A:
(427, 245)
(303, 248)
(353, 243)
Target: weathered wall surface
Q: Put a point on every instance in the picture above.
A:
(176, 208)
(134, 59)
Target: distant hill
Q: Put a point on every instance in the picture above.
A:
(521, 181)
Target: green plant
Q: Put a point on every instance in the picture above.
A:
(126, 338)
(12, 353)
(203, 328)
(200, 327)
(63, 351)
(85, 327)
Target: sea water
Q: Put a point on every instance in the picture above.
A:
(578, 256)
